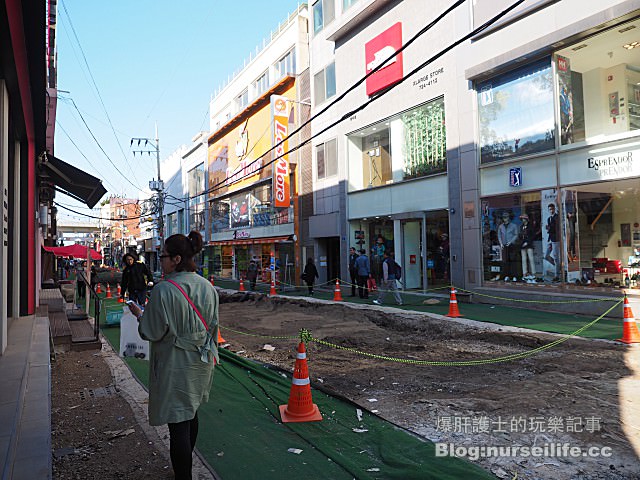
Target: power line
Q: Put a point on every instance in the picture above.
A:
(119, 219)
(372, 99)
(82, 153)
(95, 85)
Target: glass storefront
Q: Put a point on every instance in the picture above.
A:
(409, 145)
(581, 226)
(598, 85)
(583, 235)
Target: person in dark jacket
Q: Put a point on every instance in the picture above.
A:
(353, 271)
(310, 274)
(252, 274)
(135, 277)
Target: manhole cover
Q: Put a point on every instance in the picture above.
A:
(107, 391)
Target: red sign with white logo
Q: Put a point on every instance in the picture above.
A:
(376, 51)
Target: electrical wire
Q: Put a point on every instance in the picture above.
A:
(346, 116)
(95, 86)
(120, 219)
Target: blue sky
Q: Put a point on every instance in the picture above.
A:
(152, 61)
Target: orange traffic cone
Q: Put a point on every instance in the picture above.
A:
(119, 289)
(241, 285)
(337, 294)
(272, 291)
(211, 280)
(108, 291)
(98, 288)
(453, 305)
(300, 407)
(220, 339)
(630, 333)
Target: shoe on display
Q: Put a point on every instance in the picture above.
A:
(506, 279)
(496, 278)
(377, 302)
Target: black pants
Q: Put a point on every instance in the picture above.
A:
(363, 291)
(309, 286)
(354, 282)
(182, 441)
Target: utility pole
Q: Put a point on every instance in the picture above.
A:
(151, 146)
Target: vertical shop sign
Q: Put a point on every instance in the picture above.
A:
(566, 100)
(281, 187)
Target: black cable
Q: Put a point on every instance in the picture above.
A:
(120, 219)
(372, 99)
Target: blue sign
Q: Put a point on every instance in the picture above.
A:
(430, 263)
(515, 177)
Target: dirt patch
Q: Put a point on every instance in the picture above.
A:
(94, 432)
(579, 393)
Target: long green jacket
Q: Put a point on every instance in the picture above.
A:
(179, 381)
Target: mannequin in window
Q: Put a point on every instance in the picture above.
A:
(508, 237)
(527, 235)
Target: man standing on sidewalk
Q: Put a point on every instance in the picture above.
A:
(389, 276)
(353, 271)
(363, 269)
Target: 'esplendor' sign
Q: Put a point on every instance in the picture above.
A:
(612, 165)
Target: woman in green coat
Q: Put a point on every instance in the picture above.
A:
(181, 322)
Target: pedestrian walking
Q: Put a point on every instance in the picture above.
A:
(353, 271)
(181, 322)
(363, 269)
(310, 274)
(252, 274)
(135, 277)
(390, 273)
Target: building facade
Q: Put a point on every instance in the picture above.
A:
(555, 114)
(252, 182)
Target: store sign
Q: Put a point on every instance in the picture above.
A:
(379, 49)
(583, 166)
(241, 234)
(515, 177)
(281, 187)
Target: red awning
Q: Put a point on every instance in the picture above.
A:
(75, 251)
(251, 241)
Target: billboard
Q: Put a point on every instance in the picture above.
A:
(281, 187)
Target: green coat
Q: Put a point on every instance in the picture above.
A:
(179, 381)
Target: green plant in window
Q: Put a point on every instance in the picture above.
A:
(424, 147)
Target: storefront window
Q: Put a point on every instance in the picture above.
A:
(585, 235)
(425, 147)
(516, 113)
(599, 85)
(412, 144)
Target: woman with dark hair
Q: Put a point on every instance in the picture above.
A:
(181, 322)
(310, 274)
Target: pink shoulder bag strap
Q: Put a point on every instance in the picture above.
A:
(190, 303)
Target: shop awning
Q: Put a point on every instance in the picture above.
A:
(252, 241)
(72, 181)
(75, 251)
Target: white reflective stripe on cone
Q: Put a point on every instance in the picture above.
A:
(301, 381)
(630, 320)
(301, 356)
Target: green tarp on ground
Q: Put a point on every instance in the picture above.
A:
(241, 435)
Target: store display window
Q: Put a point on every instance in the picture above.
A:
(409, 145)
(584, 235)
(516, 114)
(598, 85)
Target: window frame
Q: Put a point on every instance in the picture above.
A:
(329, 67)
(329, 164)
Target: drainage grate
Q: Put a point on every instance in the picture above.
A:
(107, 391)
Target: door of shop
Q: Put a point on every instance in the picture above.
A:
(333, 258)
(412, 254)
